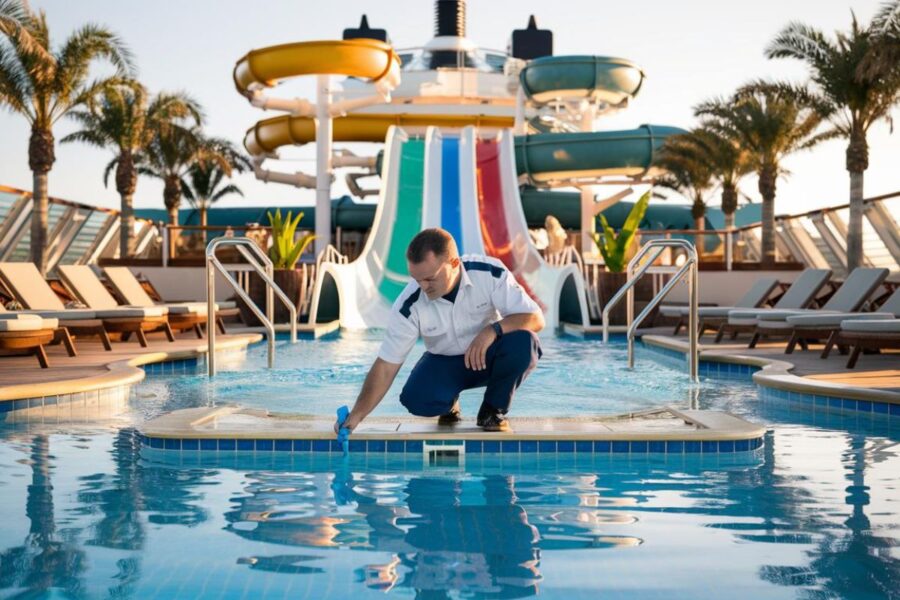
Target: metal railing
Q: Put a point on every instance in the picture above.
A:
(689, 269)
(264, 268)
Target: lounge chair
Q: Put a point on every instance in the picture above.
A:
(860, 284)
(711, 317)
(60, 334)
(869, 334)
(182, 315)
(25, 283)
(800, 294)
(87, 287)
(26, 332)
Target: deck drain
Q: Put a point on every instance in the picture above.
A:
(444, 453)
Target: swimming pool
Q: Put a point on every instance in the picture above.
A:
(814, 514)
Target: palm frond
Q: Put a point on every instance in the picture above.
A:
(887, 20)
(799, 41)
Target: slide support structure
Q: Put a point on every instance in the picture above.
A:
(588, 222)
(324, 167)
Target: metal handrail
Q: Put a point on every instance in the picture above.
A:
(689, 268)
(265, 269)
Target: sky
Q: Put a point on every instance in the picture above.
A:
(691, 51)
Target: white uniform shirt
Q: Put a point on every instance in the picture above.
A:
(487, 292)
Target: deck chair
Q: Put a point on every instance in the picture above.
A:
(888, 311)
(711, 317)
(29, 333)
(869, 335)
(800, 294)
(25, 283)
(87, 287)
(60, 334)
(849, 298)
(182, 315)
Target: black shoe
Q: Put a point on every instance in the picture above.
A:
(451, 417)
(495, 422)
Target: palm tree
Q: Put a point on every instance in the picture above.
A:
(853, 97)
(725, 160)
(170, 156)
(44, 86)
(12, 14)
(687, 172)
(123, 117)
(205, 185)
(769, 124)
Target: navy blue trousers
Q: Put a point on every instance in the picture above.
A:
(437, 379)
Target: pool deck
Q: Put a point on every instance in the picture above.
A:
(876, 376)
(234, 425)
(95, 368)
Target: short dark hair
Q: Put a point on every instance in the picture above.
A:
(435, 240)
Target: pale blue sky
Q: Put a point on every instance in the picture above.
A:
(691, 50)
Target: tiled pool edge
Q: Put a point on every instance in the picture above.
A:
(776, 383)
(584, 447)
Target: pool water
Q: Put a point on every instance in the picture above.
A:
(814, 514)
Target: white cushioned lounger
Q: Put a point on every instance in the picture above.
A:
(802, 291)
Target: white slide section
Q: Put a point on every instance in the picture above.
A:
(362, 305)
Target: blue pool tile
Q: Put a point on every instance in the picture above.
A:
(756, 443)
(621, 446)
(895, 410)
(20, 404)
(283, 446)
(413, 445)
(335, 446)
(548, 446)
(529, 446)
(321, 445)
(821, 401)
(208, 445)
(246, 445)
(227, 445)
(472, 446)
(565, 446)
(190, 444)
(302, 445)
(265, 445)
(639, 447)
(6, 406)
(375, 446)
(880, 408)
(835, 402)
(396, 446)
(583, 446)
(849, 404)
(675, 447)
(509, 446)
(710, 447)
(602, 446)
(864, 406)
(357, 446)
(657, 447)
(691, 447)
(156, 442)
(490, 446)
(726, 446)
(741, 445)
(172, 444)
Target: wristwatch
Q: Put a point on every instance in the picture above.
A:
(497, 329)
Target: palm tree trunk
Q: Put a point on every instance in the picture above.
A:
(41, 157)
(203, 221)
(857, 163)
(729, 220)
(767, 182)
(39, 221)
(126, 227)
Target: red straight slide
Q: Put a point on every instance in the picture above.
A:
(494, 229)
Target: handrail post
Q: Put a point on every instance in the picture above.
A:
(693, 294)
(210, 314)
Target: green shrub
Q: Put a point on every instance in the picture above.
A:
(285, 251)
(614, 248)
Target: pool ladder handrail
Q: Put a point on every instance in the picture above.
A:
(263, 266)
(688, 269)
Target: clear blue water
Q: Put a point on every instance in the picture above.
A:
(814, 515)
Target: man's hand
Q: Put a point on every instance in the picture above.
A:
(476, 354)
(350, 423)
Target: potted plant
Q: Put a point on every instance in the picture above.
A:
(617, 250)
(285, 251)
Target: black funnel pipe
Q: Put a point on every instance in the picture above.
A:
(450, 18)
